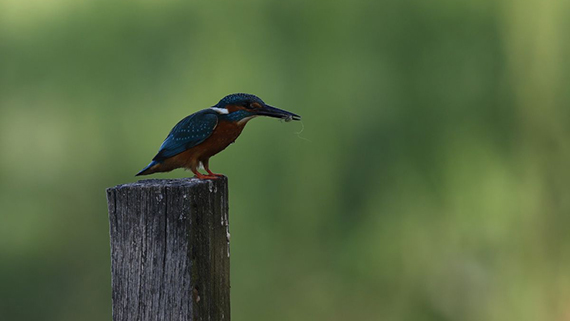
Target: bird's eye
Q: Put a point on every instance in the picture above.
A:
(247, 105)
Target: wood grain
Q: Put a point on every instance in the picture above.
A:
(170, 250)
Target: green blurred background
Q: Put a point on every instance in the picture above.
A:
(431, 180)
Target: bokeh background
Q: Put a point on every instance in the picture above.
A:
(430, 180)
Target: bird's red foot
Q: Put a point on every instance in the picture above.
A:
(214, 174)
(201, 176)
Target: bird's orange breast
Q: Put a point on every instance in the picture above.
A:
(225, 133)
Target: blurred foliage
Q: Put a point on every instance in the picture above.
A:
(433, 182)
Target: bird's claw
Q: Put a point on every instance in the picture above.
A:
(214, 174)
(206, 176)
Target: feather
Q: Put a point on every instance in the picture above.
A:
(188, 133)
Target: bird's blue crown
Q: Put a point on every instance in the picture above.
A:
(239, 99)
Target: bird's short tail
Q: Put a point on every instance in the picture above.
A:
(149, 169)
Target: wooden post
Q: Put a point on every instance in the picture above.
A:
(170, 250)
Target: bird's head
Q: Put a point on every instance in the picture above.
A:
(239, 107)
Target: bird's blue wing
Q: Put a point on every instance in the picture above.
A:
(188, 133)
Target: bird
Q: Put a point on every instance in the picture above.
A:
(199, 136)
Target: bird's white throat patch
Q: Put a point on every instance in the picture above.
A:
(220, 110)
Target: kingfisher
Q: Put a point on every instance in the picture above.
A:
(196, 138)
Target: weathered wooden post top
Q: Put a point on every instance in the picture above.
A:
(170, 250)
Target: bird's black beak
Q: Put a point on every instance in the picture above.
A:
(269, 111)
